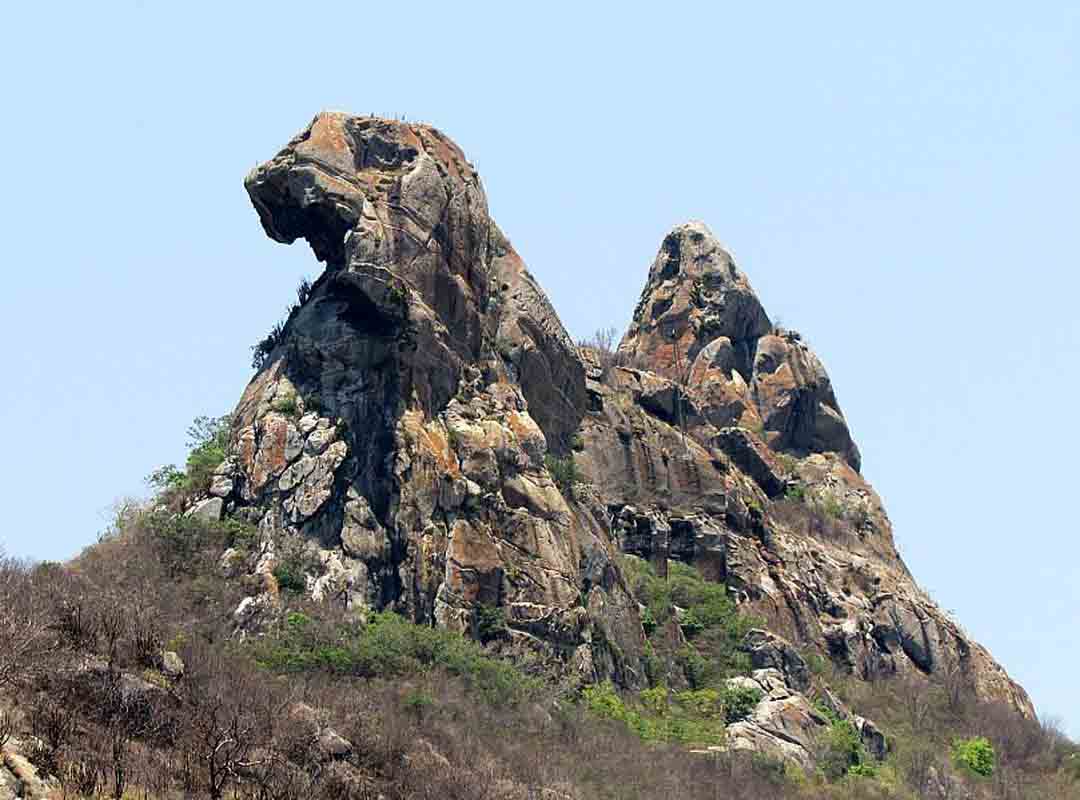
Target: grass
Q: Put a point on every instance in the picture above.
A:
(288, 405)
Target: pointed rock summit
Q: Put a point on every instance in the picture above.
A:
(699, 322)
(425, 435)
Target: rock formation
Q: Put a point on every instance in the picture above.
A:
(403, 429)
(403, 420)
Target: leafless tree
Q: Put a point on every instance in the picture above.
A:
(604, 342)
(53, 722)
(112, 621)
(25, 641)
(227, 723)
(82, 776)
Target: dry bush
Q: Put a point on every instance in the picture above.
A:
(25, 641)
(228, 728)
(808, 519)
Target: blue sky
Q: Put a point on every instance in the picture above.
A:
(900, 184)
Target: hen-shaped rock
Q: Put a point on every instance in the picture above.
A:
(398, 442)
(402, 417)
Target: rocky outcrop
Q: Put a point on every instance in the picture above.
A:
(19, 779)
(398, 443)
(398, 431)
(699, 322)
(720, 424)
(783, 724)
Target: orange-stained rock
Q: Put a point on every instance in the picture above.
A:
(404, 428)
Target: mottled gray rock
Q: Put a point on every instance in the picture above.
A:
(873, 739)
(783, 724)
(10, 786)
(694, 294)
(531, 337)
(767, 650)
(208, 510)
(427, 379)
(333, 745)
(172, 666)
(753, 458)
(231, 562)
(27, 783)
(402, 427)
(795, 399)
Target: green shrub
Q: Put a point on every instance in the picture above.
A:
(739, 702)
(710, 618)
(416, 703)
(655, 699)
(183, 542)
(297, 620)
(796, 492)
(648, 622)
(690, 718)
(290, 577)
(816, 663)
(288, 405)
(843, 749)
(703, 702)
(832, 507)
(864, 770)
(490, 623)
(689, 623)
(564, 472)
(208, 440)
(976, 755)
(698, 670)
(390, 646)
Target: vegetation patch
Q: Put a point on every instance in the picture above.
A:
(208, 440)
(709, 619)
(564, 472)
(975, 755)
(388, 646)
(659, 715)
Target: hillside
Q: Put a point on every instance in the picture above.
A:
(440, 550)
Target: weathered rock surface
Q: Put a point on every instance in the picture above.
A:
(397, 441)
(783, 724)
(399, 429)
(727, 431)
(699, 322)
(20, 779)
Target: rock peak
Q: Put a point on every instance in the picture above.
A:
(700, 323)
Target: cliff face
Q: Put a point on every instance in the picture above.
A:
(403, 419)
(403, 429)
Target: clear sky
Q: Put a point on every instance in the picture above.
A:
(900, 183)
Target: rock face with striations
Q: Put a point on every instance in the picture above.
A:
(403, 418)
(399, 432)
